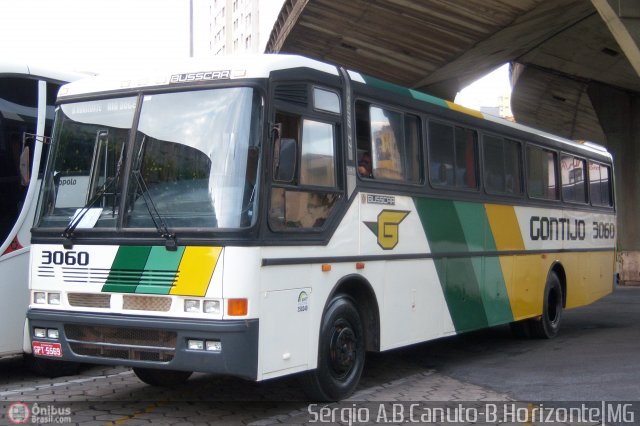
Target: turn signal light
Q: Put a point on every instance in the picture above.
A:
(237, 307)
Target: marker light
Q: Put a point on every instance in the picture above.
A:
(52, 333)
(53, 298)
(195, 345)
(214, 346)
(40, 332)
(211, 307)
(40, 297)
(237, 307)
(191, 305)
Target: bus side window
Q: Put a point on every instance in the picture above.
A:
(541, 173)
(453, 156)
(307, 201)
(388, 144)
(572, 176)
(600, 185)
(502, 170)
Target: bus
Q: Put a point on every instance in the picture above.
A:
(27, 97)
(270, 215)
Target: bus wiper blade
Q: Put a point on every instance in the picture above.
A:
(161, 226)
(73, 224)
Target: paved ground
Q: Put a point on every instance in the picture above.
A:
(593, 359)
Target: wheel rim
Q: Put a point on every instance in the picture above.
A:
(343, 348)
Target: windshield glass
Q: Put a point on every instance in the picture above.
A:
(194, 163)
(87, 154)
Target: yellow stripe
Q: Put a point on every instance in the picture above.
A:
(465, 110)
(195, 271)
(504, 227)
(522, 288)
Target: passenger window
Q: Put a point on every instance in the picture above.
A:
(303, 203)
(541, 173)
(453, 156)
(572, 176)
(502, 160)
(600, 185)
(388, 144)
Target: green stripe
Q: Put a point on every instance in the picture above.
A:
(488, 272)
(127, 269)
(385, 85)
(445, 233)
(474, 287)
(160, 262)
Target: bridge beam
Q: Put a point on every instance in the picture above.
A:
(623, 20)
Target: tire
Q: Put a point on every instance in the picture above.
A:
(51, 368)
(163, 378)
(340, 353)
(548, 325)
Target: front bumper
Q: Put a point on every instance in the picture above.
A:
(150, 342)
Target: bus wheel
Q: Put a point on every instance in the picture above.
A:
(340, 353)
(51, 368)
(548, 325)
(156, 377)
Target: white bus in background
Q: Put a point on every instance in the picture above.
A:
(27, 96)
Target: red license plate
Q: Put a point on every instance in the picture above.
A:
(47, 349)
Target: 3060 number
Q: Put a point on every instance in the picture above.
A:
(69, 258)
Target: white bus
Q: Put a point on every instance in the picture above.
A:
(27, 97)
(272, 215)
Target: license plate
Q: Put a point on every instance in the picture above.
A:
(47, 349)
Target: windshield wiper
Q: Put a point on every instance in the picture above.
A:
(161, 226)
(75, 221)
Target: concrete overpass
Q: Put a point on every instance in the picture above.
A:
(575, 65)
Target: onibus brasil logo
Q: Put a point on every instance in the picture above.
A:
(387, 227)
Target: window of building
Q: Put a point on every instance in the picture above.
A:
(453, 156)
(541, 173)
(502, 165)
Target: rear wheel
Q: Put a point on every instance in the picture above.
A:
(548, 325)
(340, 353)
(155, 377)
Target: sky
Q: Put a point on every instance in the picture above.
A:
(106, 35)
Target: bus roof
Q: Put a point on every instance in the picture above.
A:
(38, 70)
(214, 68)
(260, 66)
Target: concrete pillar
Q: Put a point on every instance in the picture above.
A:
(619, 114)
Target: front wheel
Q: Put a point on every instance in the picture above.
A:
(156, 377)
(340, 353)
(548, 325)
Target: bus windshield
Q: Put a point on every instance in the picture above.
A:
(193, 163)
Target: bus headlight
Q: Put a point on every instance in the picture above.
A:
(40, 297)
(40, 332)
(195, 345)
(191, 305)
(211, 307)
(53, 333)
(53, 298)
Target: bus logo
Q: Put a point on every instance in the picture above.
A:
(387, 227)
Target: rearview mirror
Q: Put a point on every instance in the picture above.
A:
(285, 157)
